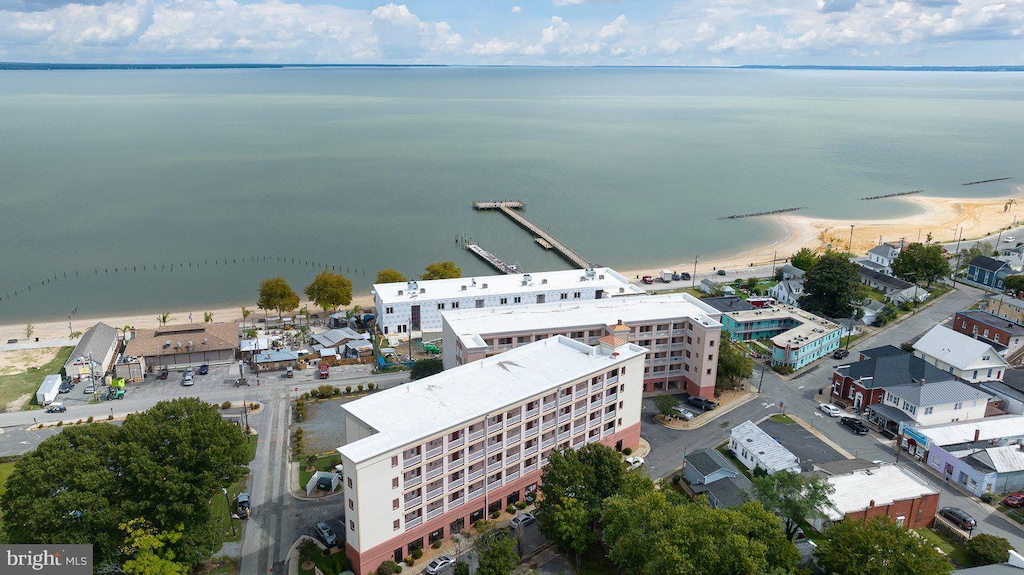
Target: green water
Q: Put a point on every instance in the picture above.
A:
(364, 169)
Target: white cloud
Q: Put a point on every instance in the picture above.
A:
(516, 10)
(614, 30)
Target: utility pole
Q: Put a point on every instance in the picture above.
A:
(957, 269)
(849, 246)
(693, 277)
(231, 517)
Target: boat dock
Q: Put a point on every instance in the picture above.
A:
(495, 262)
(509, 207)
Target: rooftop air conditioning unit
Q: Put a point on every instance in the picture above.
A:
(206, 341)
(423, 290)
(178, 345)
(484, 286)
(190, 345)
(543, 281)
(400, 292)
(463, 288)
(167, 343)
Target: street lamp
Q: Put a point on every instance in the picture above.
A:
(227, 503)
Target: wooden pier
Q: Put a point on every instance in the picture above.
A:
(509, 207)
(495, 262)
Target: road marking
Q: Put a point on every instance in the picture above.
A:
(819, 415)
(799, 387)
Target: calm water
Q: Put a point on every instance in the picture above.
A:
(371, 168)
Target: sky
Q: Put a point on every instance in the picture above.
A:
(521, 32)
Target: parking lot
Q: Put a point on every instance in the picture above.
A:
(219, 377)
(801, 442)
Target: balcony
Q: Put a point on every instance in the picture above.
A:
(503, 347)
(412, 461)
(495, 427)
(435, 512)
(595, 387)
(456, 502)
(529, 468)
(609, 415)
(564, 417)
(549, 405)
(494, 466)
(453, 465)
(456, 483)
(533, 431)
(513, 420)
(476, 475)
(594, 438)
(547, 442)
(607, 432)
(513, 439)
(512, 458)
(414, 522)
(563, 436)
(493, 444)
(611, 398)
(434, 493)
(513, 475)
(435, 472)
(474, 435)
(413, 502)
(457, 442)
(435, 451)
(565, 399)
(593, 422)
(581, 393)
(531, 450)
(492, 485)
(413, 481)
(474, 493)
(532, 412)
(611, 380)
(473, 456)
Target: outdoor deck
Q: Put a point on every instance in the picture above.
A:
(495, 262)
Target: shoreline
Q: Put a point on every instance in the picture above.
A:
(938, 216)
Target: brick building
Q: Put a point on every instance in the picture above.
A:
(887, 491)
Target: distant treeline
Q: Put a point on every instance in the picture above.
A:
(893, 68)
(60, 66)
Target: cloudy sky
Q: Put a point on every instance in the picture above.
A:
(523, 32)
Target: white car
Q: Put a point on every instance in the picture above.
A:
(683, 413)
(189, 379)
(522, 520)
(634, 462)
(440, 564)
(1008, 239)
(831, 410)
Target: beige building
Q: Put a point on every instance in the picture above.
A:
(186, 344)
(681, 333)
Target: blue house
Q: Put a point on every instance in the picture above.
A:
(988, 271)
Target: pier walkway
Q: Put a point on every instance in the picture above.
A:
(496, 262)
(509, 207)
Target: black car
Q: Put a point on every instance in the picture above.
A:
(841, 353)
(203, 369)
(721, 272)
(959, 517)
(701, 402)
(857, 426)
(685, 275)
(66, 386)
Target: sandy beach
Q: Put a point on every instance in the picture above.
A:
(937, 216)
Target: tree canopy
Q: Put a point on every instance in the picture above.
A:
(987, 549)
(733, 365)
(425, 368)
(276, 294)
(793, 497)
(918, 262)
(91, 484)
(878, 547)
(329, 290)
(804, 259)
(976, 249)
(1014, 283)
(442, 270)
(832, 286)
(666, 404)
(389, 275)
(496, 551)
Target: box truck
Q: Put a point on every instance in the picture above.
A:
(49, 389)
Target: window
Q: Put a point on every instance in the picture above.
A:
(349, 483)
(440, 305)
(394, 461)
(517, 299)
(351, 525)
(389, 310)
(455, 305)
(352, 505)
(958, 405)
(563, 296)
(576, 295)
(395, 525)
(504, 300)
(394, 504)
(394, 483)
(928, 410)
(709, 371)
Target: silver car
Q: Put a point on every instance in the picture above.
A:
(440, 564)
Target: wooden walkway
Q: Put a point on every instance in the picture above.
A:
(509, 207)
(495, 262)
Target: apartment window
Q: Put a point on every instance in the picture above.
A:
(349, 482)
(395, 525)
(394, 483)
(351, 525)
(394, 461)
(440, 305)
(517, 299)
(351, 504)
(577, 335)
(563, 296)
(709, 371)
(523, 339)
(455, 305)
(710, 357)
(576, 295)
(689, 340)
(389, 310)
(645, 329)
(504, 300)
(504, 341)
(394, 504)
(711, 343)
(928, 410)
(958, 405)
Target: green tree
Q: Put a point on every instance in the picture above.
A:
(666, 404)
(886, 314)
(987, 549)
(163, 318)
(425, 368)
(147, 550)
(733, 365)
(832, 286)
(793, 496)
(804, 259)
(387, 276)
(976, 249)
(1014, 283)
(207, 317)
(276, 294)
(496, 552)
(878, 547)
(919, 262)
(329, 291)
(29, 330)
(571, 527)
(442, 270)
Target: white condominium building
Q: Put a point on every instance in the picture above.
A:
(416, 306)
(427, 459)
(682, 334)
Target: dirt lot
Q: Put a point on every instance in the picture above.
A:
(17, 361)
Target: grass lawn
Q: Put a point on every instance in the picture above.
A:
(779, 418)
(325, 463)
(221, 508)
(724, 450)
(5, 471)
(330, 565)
(16, 385)
(956, 553)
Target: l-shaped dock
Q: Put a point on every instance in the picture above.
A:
(541, 236)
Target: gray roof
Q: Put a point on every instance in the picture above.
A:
(790, 269)
(872, 304)
(895, 284)
(997, 569)
(96, 341)
(883, 250)
(889, 412)
(844, 466)
(891, 367)
(987, 263)
(993, 320)
(707, 461)
(729, 491)
(937, 393)
(728, 303)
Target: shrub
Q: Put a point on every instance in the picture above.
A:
(60, 423)
(417, 553)
(987, 549)
(410, 561)
(337, 391)
(325, 391)
(359, 387)
(627, 451)
(510, 509)
(254, 406)
(110, 417)
(348, 389)
(907, 347)
(520, 505)
(398, 568)
(436, 544)
(89, 420)
(226, 405)
(494, 515)
(676, 479)
(310, 459)
(462, 568)
(79, 422)
(387, 568)
(371, 386)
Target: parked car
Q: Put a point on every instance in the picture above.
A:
(189, 379)
(89, 389)
(190, 370)
(440, 564)
(1014, 499)
(163, 373)
(1008, 239)
(857, 426)
(841, 353)
(326, 534)
(203, 369)
(289, 372)
(65, 387)
(831, 410)
(244, 509)
(676, 276)
(522, 520)
(721, 272)
(685, 275)
(56, 407)
(634, 462)
(683, 413)
(701, 402)
(959, 517)
(647, 280)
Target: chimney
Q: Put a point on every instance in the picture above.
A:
(922, 381)
(871, 503)
(977, 435)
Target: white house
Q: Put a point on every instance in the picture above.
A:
(880, 258)
(929, 403)
(787, 292)
(755, 448)
(94, 354)
(967, 358)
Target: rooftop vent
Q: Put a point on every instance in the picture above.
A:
(167, 343)
(206, 341)
(543, 281)
(400, 292)
(463, 288)
(178, 345)
(423, 290)
(484, 286)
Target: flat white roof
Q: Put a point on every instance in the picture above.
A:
(763, 446)
(469, 323)
(883, 485)
(510, 284)
(963, 431)
(420, 409)
(811, 328)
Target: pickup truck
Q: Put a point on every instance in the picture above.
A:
(647, 280)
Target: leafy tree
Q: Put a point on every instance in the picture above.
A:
(329, 290)
(276, 294)
(387, 568)
(987, 549)
(425, 368)
(387, 276)
(976, 249)
(570, 526)
(666, 404)
(496, 552)
(804, 259)
(878, 547)
(886, 314)
(29, 330)
(1014, 283)
(147, 550)
(793, 497)
(207, 317)
(163, 318)
(442, 270)
(733, 365)
(919, 262)
(832, 286)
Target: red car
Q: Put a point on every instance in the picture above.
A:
(1014, 499)
(647, 280)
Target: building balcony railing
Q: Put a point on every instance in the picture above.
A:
(564, 417)
(532, 412)
(494, 428)
(413, 522)
(435, 512)
(413, 502)
(611, 380)
(434, 493)
(457, 442)
(581, 393)
(412, 461)
(473, 456)
(512, 458)
(454, 465)
(513, 439)
(503, 347)
(593, 422)
(563, 436)
(513, 420)
(476, 475)
(609, 415)
(547, 424)
(533, 431)
(435, 472)
(529, 468)
(607, 432)
(493, 444)
(547, 442)
(611, 398)
(455, 483)
(513, 475)
(531, 450)
(432, 453)
(658, 361)
(456, 502)
(565, 399)
(413, 481)
(474, 493)
(594, 438)
(549, 405)
(494, 466)
(474, 435)
(492, 485)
